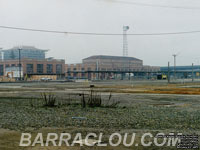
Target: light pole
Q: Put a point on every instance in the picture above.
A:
(168, 78)
(129, 74)
(192, 72)
(125, 42)
(174, 55)
(97, 69)
(20, 77)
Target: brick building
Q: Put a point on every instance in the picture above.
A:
(104, 64)
(31, 66)
(33, 63)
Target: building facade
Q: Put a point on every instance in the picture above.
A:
(118, 63)
(105, 67)
(31, 66)
(32, 61)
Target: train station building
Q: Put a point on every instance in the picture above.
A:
(105, 67)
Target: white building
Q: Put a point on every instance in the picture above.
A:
(13, 72)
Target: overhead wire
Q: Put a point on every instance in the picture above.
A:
(99, 34)
(150, 5)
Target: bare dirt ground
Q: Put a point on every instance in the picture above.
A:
(144, 106)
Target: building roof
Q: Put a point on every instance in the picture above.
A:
(32, 48)
(181, 68)
(111, 57)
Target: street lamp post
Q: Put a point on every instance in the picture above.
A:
(192, 72)
(20, 77)
(174, 55)
(125, 41)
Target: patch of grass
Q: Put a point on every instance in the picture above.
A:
(94, 99)
(49, 99)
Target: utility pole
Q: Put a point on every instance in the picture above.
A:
(174, 55)
(129, 74)
(97, 66)
(20, 77)
(125, 42)
(192, 72)
(168, 77)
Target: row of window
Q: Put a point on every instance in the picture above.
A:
(74, 69)
(104, 69)
(40, 68)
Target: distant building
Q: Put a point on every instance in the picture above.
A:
(103, 62)
(28, 52)
(33, 63)
(34, 67)
(181, 68)
(105, 65)
(183, 71)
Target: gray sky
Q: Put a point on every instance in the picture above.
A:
(104, 16)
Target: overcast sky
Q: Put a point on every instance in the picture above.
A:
(104, 16)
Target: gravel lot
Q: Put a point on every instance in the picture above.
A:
(21, 107)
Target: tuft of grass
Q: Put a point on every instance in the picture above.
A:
(49, 99)
(111, 103)
(94, 99)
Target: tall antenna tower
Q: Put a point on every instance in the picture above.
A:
(125, 42)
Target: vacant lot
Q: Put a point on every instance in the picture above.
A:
(126, 106)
